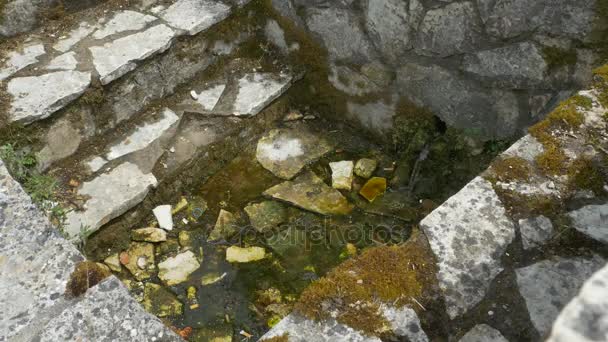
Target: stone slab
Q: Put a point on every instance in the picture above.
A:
(194, 16)
(258, 90)
(111, 194)
(123, 21)
(468, 234)
(592, 220)
(209, 98)
(17, 60)
(67, 61)
(535, 231)
(74, 37)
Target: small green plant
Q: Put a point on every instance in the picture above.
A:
(41, 187)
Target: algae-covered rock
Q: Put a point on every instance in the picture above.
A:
(160, 302)
(167, 248)
(373, 188)
(365, 167)
(284, 152)
(266, 215)
(137, 252)
(310, 193)
(185, 239)
(176, 270)
(225, 226)
(342, 174)
(149, 235)
(243, 255)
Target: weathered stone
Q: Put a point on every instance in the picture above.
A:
(448, 30)
(17, 60)
(164, 216)
(225, 226)
(535, 231)
(115, 59)
(518, 66)
(585, 318)
(275, 34)
(110, 195)
(258, 90)
(405, 323)
(244, 255)
(373, 188)
(62, 140)
(113, 263)
(483, 333)
(149, 235)
(342, 174)
(527, 148)
(37, 97)
(67, 61)
(74, 36)
(592, 220)
(365, 167)
(209, 98)
(140, 253)
(351, 82)
(548, 285)
(176, 270)
(469, 245)
(124, 21)
(341, 33)
(310, 193)
(391, 26)
(21, 16)
(285, 152)
(160, 302)
(375, 116)
(266, 216)
(194, 16)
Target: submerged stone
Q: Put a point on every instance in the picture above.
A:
(342, 174)
(309, 192)
(167, 249)
(185, 239)
(113, 262)
(212, 278)
(373, 188)
(284, 152)
(365, 167)
(243, 255)
(164, 217)
(225, 226)
(175, 270)
(160, 302)
(481, 333)
(266, 215)
(140, 251)
(149, 235)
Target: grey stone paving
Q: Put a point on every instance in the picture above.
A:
(17, 60)
(258, 90)
(535, 231)
(195, 16)
(592, 220)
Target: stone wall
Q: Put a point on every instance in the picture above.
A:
(488, 67)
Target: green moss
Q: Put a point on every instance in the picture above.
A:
(280, 338)
(86, 275)
(510, 169)
(584, 174)
(601, 85)
(355, 289)
(413, 126)
(523, 206)
(557, 57)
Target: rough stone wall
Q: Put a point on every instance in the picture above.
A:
(488, 67)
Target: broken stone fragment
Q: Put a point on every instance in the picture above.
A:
(309, 192)
(284, 152)
(257, 90)
(225, 226)
(373, 188)
(160, 302)
(175, 270)
(164, 217)
(113, 262)
(266, 215)
(244, 255)
(365, 167)
(342, 175)
(140, 251)
(535, 231)
(149, 235)
(592, 220)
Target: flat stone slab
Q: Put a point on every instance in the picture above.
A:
(194, 16)
(107, 312)
(123, 21)
(37, 97)
(74, 36)
(548, 285)
(285, 152)
(67, 61)
(17, 60)
(115, 59)
(592, 220)
(483, 333)
(258, 90)
(535, 231)
(468, 234)
(309, 192)
(111, 195)
(209, 98)
(266, 215)
(177, 269)
(585, 318)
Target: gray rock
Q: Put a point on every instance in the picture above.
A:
(73, 37)
(62, 140)
(110, 195)
(351, 82)
(548, 285)
(115, 59)
(449, 30)
(483, 333)
(535, 231)
(194, 16)
(209, 97)
(518, 66)
(391, 26)
(284, 152)
(585, 318)
(309, 192)
(164, 216)
(258, 90)
(287, 9)
(67, 61)
(592, 220)
(405, 323)
(527, 148)
(376, 117)
(19, 16)
(275, 34)
(469, 244)
(341, 33)
(123, 21)
(176, 270)
(17, 60)
(266, 216)
(38, 97)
